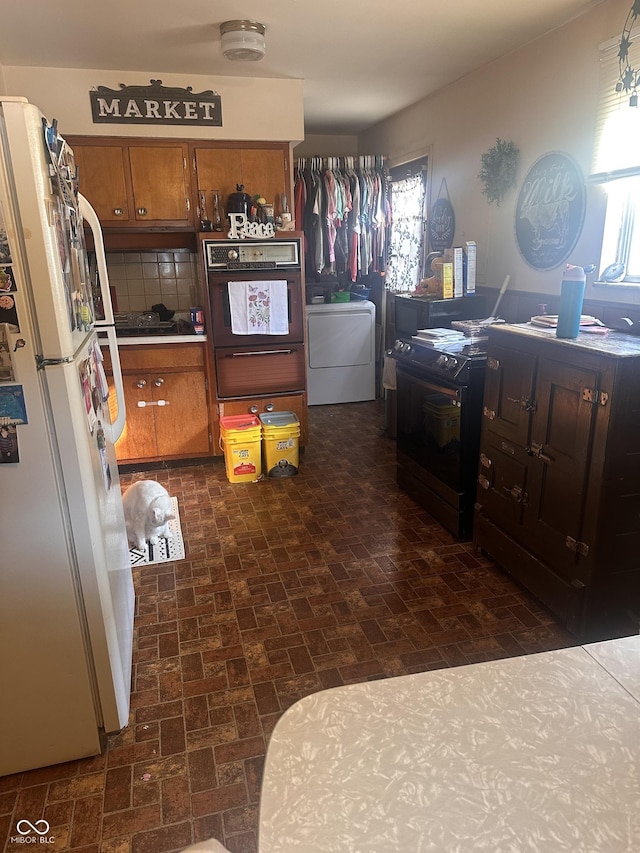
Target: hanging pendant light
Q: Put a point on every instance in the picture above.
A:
(243, 40)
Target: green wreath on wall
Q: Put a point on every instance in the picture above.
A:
(498, 173)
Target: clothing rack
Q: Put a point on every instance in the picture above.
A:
(343, 205)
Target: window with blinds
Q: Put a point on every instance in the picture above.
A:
(617, 139)
(616, 165)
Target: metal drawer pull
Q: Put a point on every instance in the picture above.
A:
(260, 352)
(118, 211)
(488, 413)
(483, 482)
(493, 363)
(525, 404)
(516, 492)
(159, 381)
(141, 383)
(142, 211)
(142, 404)
(537, 451)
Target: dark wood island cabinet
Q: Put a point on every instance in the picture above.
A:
(558, 498)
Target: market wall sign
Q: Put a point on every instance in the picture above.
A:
(155, 104)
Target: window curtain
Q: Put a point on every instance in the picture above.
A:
(617, 138)
(406, 245)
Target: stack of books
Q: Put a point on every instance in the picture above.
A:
(438, 337)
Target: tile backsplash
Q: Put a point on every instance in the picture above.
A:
(143, 279)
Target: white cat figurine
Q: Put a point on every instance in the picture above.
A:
(147, 513)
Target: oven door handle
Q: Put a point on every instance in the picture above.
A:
(448, 392)
(259, 352)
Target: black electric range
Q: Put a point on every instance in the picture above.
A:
(439, 398)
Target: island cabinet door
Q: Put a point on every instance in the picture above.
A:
(503, 482)
(560, 469)
(509, 394)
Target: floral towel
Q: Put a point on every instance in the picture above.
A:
(259, 307)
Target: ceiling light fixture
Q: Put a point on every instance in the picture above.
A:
(243, 40)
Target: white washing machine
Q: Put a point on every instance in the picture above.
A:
(341, 352)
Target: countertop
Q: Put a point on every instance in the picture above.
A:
(617, 344)
(124, 340)
(533, 753)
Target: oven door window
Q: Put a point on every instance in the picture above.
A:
(428, 431)
(221, 312)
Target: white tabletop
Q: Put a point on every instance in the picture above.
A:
(536, 753)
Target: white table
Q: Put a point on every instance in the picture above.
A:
(536, 753)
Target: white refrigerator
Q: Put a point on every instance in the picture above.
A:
(66, 590)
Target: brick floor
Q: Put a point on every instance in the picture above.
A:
(288, 587)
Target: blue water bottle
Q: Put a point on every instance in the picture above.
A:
(571, 299)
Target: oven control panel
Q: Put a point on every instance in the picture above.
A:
(223, 255)
(454, 364)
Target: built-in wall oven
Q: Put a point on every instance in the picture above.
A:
(439, 411)
(249, 365)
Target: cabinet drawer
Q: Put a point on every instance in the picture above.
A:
(158, 357)
(260, 371)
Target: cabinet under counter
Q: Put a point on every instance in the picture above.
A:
(166, 399)
(558, 499)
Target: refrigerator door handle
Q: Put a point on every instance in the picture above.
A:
(91, 218)
(117, 425)
(106, 326)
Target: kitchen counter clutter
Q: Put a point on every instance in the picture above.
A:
(558, 501)
(539, 752)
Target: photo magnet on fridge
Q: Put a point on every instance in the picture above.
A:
(13, 411)
(7, 281)
(5, 248)
(8, 444)
(6, 358)
(8, 313)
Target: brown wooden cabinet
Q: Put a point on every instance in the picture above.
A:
(558, 500)
(296, 403)
(260, 169)
(135, 183)
(165, 392)
(156, 183)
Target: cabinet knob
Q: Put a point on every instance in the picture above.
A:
(142, 211)
(118, 211)
(253, 410)
(269, 407)
(141, 383)
(159, 381)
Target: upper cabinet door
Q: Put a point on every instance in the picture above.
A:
(101, 169)
(219, 169)
(159, 180)
(262, 171)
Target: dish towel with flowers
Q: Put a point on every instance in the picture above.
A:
(259, 307)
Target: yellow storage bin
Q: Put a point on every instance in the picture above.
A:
(280, 434)
(240, 438)
(443, 421)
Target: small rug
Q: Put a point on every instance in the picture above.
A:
(165, 550)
